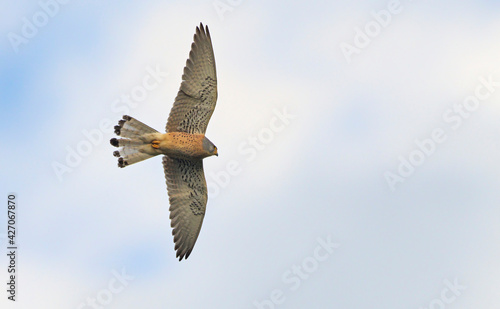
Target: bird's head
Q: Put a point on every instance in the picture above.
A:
(209, 147)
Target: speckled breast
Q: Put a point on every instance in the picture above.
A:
(183, 145)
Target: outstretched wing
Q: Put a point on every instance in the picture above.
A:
(195, 101)
(187, 191)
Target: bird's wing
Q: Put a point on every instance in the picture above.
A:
(195, 101)
(187, 191)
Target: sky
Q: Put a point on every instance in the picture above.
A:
(358, 154)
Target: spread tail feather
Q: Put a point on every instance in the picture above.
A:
(136, 144)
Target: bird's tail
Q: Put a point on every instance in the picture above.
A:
(136, 141)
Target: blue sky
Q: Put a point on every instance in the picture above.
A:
(390, 154)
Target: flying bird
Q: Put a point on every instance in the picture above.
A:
(184, 144)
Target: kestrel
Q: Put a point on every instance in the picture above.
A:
(184, 144)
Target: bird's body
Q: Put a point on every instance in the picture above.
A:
(179, 145)
(184, 145)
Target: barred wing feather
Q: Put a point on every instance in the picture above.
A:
(187, 192)
(195, 101)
